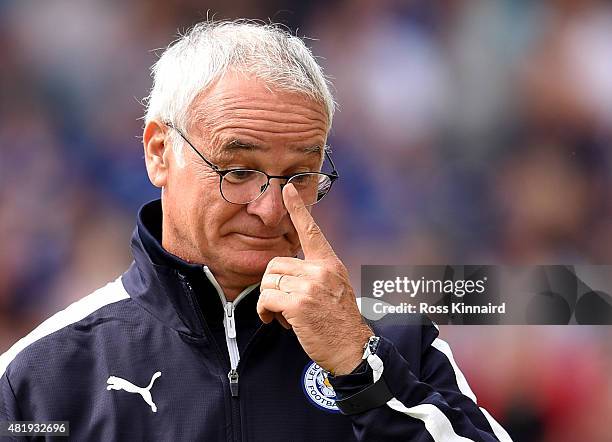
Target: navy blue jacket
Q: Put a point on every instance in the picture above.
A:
(159, 355)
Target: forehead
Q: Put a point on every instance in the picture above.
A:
(244, 113)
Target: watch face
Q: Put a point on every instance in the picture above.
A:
(373, 344)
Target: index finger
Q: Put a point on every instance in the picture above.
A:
(314, 243)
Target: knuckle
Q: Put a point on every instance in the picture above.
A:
(320, 272)
(262, 298)
(295, 207)
(265, 296)
(313, 229)
(298, 304)
(309, 287)
(266, 282)
(308, 301)
(302, 302)
(326, 274)
(273, 264)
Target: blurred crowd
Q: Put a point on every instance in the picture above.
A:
(468, 131)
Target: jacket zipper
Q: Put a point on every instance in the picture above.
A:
(229, 324)
(195, 305)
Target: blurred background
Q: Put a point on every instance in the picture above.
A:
(469, 132)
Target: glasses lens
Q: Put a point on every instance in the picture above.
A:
(312, 187)
(243, 186)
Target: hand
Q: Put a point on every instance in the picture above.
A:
(315, 296)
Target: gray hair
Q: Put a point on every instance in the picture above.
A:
(211, 48)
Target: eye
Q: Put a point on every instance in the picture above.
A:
(242, 176)
(299, 179)
(305, 179)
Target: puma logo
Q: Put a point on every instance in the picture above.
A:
(116, 383)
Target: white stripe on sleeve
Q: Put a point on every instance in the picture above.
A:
(465, 389)
(110, 293)
(498, 430)
(462, 383)
(436, 422)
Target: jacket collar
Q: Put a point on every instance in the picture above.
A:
(174, 291)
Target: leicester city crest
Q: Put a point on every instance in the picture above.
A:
(318, 389)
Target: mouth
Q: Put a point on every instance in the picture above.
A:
(259, 240)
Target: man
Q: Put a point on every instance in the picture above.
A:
(218, 331)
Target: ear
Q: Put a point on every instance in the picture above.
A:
(156, 152)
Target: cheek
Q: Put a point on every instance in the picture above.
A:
(199, 191)
(217, 217)
(205, 209)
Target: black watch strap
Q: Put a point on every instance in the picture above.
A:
(374, 396)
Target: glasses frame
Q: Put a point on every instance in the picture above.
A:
(333, 176)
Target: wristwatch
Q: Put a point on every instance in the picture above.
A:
(373, 396)
(370, 347)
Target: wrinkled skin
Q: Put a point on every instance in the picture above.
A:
(240, 122)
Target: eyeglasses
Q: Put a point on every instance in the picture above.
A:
(243, 186)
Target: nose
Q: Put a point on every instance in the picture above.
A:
(269, 207)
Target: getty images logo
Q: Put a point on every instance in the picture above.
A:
(414, 287)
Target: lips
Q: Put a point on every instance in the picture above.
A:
(266, 242)
(260, 235)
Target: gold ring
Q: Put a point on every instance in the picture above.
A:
(278, 281)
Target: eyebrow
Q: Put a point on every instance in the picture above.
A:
(241, 145)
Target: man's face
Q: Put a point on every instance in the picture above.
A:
(240, 123)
